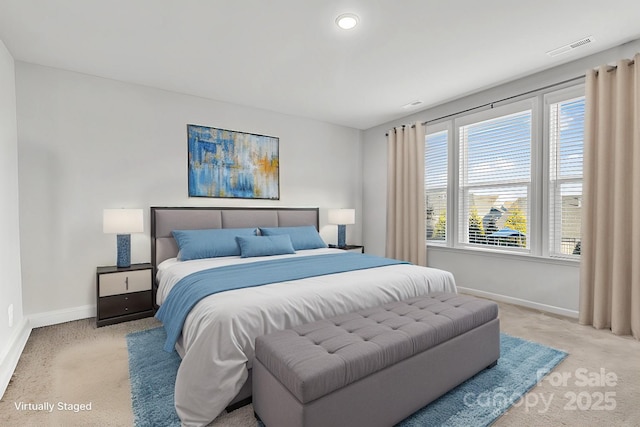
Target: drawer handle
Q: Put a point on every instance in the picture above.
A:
(126, 309)
(126, 298)
(126, 281)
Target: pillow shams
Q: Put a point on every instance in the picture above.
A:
(251, 246)
(305, 237)
(211, 243)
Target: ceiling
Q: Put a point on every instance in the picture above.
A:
(289, 56)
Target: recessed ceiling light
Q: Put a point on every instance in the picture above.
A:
(347, 21)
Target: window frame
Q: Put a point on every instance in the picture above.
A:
(461, 213)
(538, 204)
(548, 225)
(429, 130)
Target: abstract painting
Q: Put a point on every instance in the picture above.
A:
(229, 164)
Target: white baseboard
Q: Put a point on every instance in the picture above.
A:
(517, 301)
(16, 343)
(60, 316)
(14, 348)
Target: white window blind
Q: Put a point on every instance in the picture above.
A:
(495, 178)
(509, 178)
(566, 142)
(435, 183)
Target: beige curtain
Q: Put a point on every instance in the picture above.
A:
(610, 267)
(406, 236)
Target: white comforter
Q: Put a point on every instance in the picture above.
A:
(217, 342)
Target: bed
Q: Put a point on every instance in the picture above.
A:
(216, 342)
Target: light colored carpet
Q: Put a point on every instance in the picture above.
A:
(76, 363)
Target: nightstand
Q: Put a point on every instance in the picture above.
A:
(123, 294)
(350, 248)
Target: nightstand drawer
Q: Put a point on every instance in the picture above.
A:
(118, 305)
(124, 282)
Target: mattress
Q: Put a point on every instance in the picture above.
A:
(218, 336)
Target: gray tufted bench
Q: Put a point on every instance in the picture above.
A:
(374, 367)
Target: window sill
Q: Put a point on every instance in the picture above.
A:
(506, 255)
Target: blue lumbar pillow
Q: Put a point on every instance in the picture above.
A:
(251, 246)
(211, 243)
(304, 237)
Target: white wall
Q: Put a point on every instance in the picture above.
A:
(12, 338)
(87, 143)
(536, 282)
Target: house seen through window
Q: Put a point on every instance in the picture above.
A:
(495, 180)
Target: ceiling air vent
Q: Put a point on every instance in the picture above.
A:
(412, 104)
(571, 46)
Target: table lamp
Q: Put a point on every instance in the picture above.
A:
(342, 217)
(123, 222)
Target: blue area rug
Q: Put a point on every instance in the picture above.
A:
(479, 401)
(152, 372)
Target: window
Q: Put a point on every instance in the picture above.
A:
(495, 177)
(566, 141)
(509, 178)
(435, 182)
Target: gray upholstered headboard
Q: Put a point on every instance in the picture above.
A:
(166, 219)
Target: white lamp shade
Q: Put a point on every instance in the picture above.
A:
(342, 216)
(122, 221)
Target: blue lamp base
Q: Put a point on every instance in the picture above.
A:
(124, 250)
(342, 236)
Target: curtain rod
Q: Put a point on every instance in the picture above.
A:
(613, 68)
(490, 104)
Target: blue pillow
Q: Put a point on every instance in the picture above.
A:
(197, 244)
(264, 245)
(305, 237)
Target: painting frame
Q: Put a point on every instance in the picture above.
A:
(228, 164)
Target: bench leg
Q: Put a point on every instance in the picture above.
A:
(492, 365)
